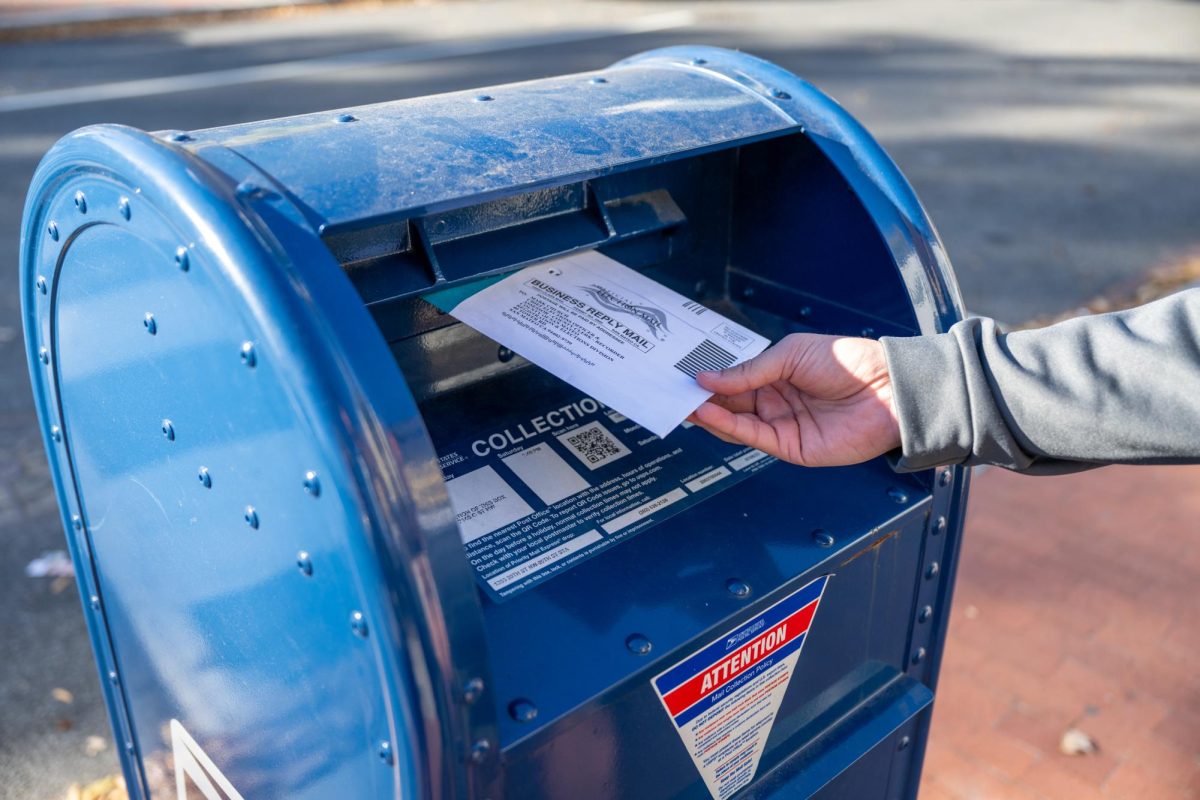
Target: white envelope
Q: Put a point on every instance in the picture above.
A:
(624, 339)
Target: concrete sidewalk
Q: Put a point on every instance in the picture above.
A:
(1076, 607)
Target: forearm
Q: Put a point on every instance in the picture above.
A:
(1112, 388)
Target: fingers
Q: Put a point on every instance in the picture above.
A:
(772, 364)
(737, 428)
(738, 403)
(713, 433)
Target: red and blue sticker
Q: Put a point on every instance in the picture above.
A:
(723, 698)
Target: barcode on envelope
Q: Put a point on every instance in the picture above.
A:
(706, 356)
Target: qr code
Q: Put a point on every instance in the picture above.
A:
(593, 445)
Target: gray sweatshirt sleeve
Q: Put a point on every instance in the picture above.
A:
(1120, 388)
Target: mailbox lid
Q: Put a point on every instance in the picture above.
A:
(388, 159)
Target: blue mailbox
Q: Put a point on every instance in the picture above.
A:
(254, 412)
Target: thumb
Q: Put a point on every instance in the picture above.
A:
(767, 367)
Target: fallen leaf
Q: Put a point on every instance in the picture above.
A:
(111, 787)
(95, 745)
(1076, 743)
(62, 695)
(51, 564)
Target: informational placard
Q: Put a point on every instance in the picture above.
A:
(613, 333)
(724, 698)
(540, 486)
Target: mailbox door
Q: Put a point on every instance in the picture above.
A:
(260, 565)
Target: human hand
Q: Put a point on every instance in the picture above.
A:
(818, 401)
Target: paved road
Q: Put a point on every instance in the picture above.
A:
(1053, 143)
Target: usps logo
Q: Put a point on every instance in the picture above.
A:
(193, 767)
(723, 699)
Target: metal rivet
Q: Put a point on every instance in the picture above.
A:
(699, 62)
(385, 753)
(932, 571)
(182, 260)
(737, 588)
(113, 678)
(168, 430)
(522, 710)
(124, 207)
(43, 355)
(823, 538)
(248, 356)
(129, 748)
(472, 690)
(358, 624)
(898, 495)
(181, 137)
(938, 527)
(304, 562)
(55, 433)
(504, 354)
(926, 614)
(204, 477)
(251, 517)
(483, 98)
(638, 644)
(94, 602)
(77, 522)
(748, 291)
(81, 202)
(780, 94)
(347, 118)
(903, 743)
(944, 478)
(867, 333)
(150, 324)
(312, 483)
(52, 229)
(599, 80)
(918, 656)
(41, 284)
(480, 750)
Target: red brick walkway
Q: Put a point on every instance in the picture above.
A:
(1078, 605)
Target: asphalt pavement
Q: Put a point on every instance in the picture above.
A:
(1054, 144)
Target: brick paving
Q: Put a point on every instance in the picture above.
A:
(1078, 605)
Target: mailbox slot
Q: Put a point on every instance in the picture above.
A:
(762, 232)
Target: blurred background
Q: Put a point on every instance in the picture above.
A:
(1055, 144)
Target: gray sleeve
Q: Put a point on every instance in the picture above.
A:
(1120, 388)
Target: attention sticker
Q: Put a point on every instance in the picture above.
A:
(724, 698)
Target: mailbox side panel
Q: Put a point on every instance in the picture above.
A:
(235, 508)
